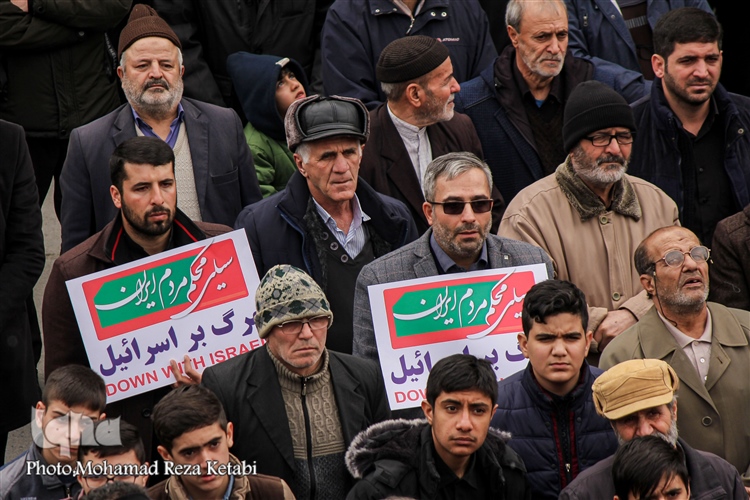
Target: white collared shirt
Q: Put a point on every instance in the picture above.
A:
(355, 239)
(698, 351)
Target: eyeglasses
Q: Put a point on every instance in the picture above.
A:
(294, 327)
(96, 481)
(675, 258)
(603, 140)
(457, 207)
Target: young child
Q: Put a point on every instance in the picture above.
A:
(73, 399)
(266, 86)
(650, 468)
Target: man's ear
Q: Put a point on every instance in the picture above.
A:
(39, 413)
(427, 208)
(300, 165)
(412, 94)
(120, 72)
(116, 197)
(164, 453)
(230, 434)
(513, 35)
(427, 409)
(589, 337)
(659, 65)
(492, 412)
(647, 282)
(523, 344)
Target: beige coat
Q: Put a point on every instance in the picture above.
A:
(712, 416)
(590, 245)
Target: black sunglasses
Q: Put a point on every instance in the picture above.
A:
(457, 207)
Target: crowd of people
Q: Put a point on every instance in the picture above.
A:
(359, 143)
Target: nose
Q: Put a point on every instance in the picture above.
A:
(154, 71)
(464, 422)
(468, 214)
(689, 263)
(455, 87)
(644, 427)
(157, 198)
(340, 165)
(306, 331)
(613, 147)
(558, 348)
(701, 68)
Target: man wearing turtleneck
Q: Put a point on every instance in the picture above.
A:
(327, 397)
(589, 215)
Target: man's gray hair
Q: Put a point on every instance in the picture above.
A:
(122, 58)
(450, 166)
(515, 9)
(395, 91)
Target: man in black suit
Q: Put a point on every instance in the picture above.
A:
(213, 164)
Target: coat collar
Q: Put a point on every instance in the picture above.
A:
(587, 204)
(424, 265)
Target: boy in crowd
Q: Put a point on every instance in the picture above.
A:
(454, 454)
(192, 428)
(548, 407)
(73, 399)
(124, 451)
(266, 86)
(650, 468)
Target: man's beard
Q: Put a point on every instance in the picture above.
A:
(678, 301)
(538, 68)
(155, 104)
(670, 437)
(447, 239)
(433, 110)
(683, 95)
(142, 224)
(592, 171)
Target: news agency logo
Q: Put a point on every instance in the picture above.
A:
(73, 430)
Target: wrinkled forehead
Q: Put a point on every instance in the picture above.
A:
(544, 12)
(677, 238)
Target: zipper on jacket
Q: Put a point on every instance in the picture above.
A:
(308, 440)
(411, 25)
(585, 20)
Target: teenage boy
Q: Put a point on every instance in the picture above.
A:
(454, 454)
(650, 468)
(73, 399)
(548, 407)
(195, 437)
(120, 455)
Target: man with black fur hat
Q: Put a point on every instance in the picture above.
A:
(213, 164)
(327, 221)
(416, 123)
(589, 215)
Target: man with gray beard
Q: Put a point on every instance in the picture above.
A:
(705, 343)
(517, 102)
(213, 164)
(639, 399)
(589, 215)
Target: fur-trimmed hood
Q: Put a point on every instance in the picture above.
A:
(401, 440)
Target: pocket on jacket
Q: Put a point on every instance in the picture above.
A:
(231, 176)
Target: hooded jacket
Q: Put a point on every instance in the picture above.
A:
(254, 78)
(396, 457)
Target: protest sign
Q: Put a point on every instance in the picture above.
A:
(418, 322)
(197, 299)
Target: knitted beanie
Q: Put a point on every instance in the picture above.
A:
(144, 22)
(410, 57)
(593, 106)
(287, 293)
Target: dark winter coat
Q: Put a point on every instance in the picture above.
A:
(396, 458)
(730, 270)
(56, 71)
(656, 156)
(512, 157)
(356, 32)
(21, 263)
(546, 429)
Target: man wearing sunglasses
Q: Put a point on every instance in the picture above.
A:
(457, 188)
(297, 405)
(707, 344)
(589, 215)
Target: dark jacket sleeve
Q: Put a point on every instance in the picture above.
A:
(94, 15)
(347, 68)
(183, 17)
(76, 213)
(22, 31)
(21, 239)
(729, 282)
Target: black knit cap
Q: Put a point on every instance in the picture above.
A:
(144, 22)
(410, 57)
(593, 106)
